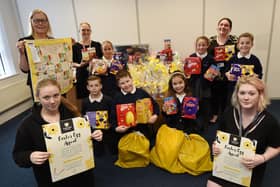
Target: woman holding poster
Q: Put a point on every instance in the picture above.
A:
(39, 28)
(249, 118)
(30, 147)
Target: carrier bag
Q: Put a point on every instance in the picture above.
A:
(133, 151)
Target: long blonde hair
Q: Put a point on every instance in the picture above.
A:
(37, 11)
(258, 84)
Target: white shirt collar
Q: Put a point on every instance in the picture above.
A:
(108, 62)
(132, 92)
(246, 56)
(180, 97)
(201, 56)
(99, 99)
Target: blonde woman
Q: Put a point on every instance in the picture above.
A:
(39, 28)
(249, 118)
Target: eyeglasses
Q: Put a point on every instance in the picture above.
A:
(37, 21)
(85, 30)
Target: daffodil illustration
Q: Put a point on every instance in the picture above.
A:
(50, 130)
(53, 129)
(222, 137)
(248, 145)
(80, 123)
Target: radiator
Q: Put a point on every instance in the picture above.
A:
(13, 94)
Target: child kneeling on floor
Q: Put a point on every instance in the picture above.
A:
(134, 134)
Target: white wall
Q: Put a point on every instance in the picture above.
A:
(178, 20)
(111, 20)
(145, 21)
(60, 13)
(273, 77)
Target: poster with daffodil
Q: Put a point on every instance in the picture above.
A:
(227, 165)
(50, 58)
(69, 142)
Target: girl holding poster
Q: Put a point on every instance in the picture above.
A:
(249, 118)
(30, 147)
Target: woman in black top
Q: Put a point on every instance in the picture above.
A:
(249, 118)
(219, 85)
(81, 62)
(40, 28)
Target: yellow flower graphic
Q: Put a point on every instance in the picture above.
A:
(222, 137)
(248, 145)
(80, 123)
(51, 129)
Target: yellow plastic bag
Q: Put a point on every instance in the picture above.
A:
(165, 152)
(133, 151)
(195, 155)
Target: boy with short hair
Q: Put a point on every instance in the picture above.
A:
(97, 101)
(243, 63)
(130, 94)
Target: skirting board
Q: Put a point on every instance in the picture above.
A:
(16, 110)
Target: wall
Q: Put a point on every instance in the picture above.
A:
(273, 77)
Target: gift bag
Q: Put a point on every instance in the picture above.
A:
(194, 155)
(133, 151)
(167, 147)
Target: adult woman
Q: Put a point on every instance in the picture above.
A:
(219, 86)
(249, 118)
(81, 58)
(39, 28)
(30, 149)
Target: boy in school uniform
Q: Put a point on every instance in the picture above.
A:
(130, 94)
(244, 63)
(97, 101)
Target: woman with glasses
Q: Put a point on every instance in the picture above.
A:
(83, 52)
(39, 28)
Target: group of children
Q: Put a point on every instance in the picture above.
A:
(179, 87)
